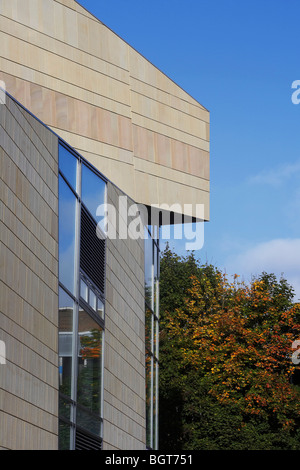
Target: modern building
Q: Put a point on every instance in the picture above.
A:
(98, 148)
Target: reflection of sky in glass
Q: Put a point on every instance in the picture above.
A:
(155, 262)
(68, 165)
(100, 308)
(148, 269)
(64, 299)
(67, 211)
(93, 190)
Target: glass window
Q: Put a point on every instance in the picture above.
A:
(100, 308)
(149, 388)
(88, 421)
(93, 300)
(149, 271)
(89, 363)
(67, 218)
(80, 336)
(156, 280)
(92, 190)
(156, 336)
(151, 337)
(154, 428)
(84, 290)
(64, 436)
(155, 254)
(148, 335)
(68, 165)
(65, 345)
(65, 408)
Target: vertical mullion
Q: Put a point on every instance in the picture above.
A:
(151, 403)
(156, 405)
(77, 294)
(153, 342)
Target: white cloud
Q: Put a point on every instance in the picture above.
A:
(279, 256)
(276, 176)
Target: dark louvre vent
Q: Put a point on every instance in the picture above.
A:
(86, 441)
(92, 251)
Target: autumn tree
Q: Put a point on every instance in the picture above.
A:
(226, 374)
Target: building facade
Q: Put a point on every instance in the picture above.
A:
(92, 137)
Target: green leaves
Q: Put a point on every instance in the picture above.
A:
(233, 341)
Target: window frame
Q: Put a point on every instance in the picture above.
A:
(78, 301)
(152, 430)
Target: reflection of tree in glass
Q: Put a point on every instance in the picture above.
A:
(148, 398)
(148, 293)
(64, 436)
(148, 329)
(89, 371)
(90, 344)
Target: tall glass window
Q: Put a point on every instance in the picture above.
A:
(93, 190)
(89, 378)
(81, 305)
(67, 235)
(66, 341)
(152, 332)
(68, 164)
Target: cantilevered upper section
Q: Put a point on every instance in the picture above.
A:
(126, 117)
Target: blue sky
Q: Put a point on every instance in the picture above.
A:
(238, 59)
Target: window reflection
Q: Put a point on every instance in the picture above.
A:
(154, 412)
(93, 300)
(64, 436)
(156, 335)
(66, 312)
(92, 190)
(67, 217)
(100, 308)
(149, 400)
(148, 333)
(80, 335)
(68, 165)
(148, 270)
(84, 290)
(151, 338)
(90, 295)
(89, 364)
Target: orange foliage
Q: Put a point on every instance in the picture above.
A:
(241, 338)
